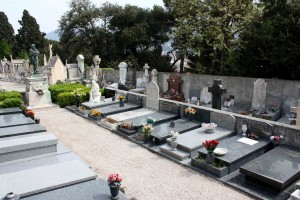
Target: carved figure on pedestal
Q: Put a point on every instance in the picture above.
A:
(94, 93)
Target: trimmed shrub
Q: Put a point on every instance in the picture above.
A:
(55, 90)
(11, 102)
(67, 99)
(10, 95)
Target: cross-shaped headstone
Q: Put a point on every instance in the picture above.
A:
(217, 91)
(146, 67)
(296, 110)
(146, 75)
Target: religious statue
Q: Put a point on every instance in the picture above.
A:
(34, 53)
(94, 93)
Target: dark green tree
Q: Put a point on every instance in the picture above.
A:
(28, 34)
(270, 45)
(6, 36)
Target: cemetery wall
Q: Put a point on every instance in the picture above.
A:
(241, 87)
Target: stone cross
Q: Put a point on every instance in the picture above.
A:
(217, 91)
(146, 75)
(154, 75)
(297, 111)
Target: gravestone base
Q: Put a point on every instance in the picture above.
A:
(32, 96)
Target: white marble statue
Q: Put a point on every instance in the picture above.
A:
(94, 93)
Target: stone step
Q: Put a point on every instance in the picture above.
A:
(14, 120)
(14, 148)
(178, 154)
(8, 111)
(44, 178)
(21, 130)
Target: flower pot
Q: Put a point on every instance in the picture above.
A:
(114, 191)
(77, 101)
(173, 144)
(244, 130)
(121, 103)
(210, 157)
(146, 139)
(190, 117)
(37, 120)
(210, 130)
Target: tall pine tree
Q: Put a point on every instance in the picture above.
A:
(28, 34)
(6, 36)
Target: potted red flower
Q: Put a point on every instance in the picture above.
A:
(210, 146)
(114, 183)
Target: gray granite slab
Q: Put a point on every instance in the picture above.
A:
(278, 168)
(238, 151)
(131, 114)
(192, 140)
(21, 130)
(115, 108)
(158, 116)
(45, 178)
(8, 111)
(14, 120)
(162, 132)
(223, 120)
(14, 148)
(273, 116)
(91, 104)
(90, 190)
(178, 154)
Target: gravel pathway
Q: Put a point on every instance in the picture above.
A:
(147, 176)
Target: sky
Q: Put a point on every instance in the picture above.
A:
(48, 12)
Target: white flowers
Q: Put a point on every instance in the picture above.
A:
(209, 125)
(174, 135)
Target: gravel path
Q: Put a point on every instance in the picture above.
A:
(147, 176)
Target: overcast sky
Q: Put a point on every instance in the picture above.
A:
(48, 12)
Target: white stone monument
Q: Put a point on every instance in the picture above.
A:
(296, 110)
(139, 82)
(259, 94)
(146, 75)
(154, 75)
(80, 61)
(95, 69)
(152, 96)
(37, 93)
(123, 72)
(205, 95)
(95, 95)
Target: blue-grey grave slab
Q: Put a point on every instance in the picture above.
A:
(239, 153)
(162, 131)
(91, 104)
(115, 108)
(192, 140)
(14, 120)
(21, 130)
(90, 190)
(131, 114)
(24, 146)
(157, 116)
(8, 111)
(45, 178)
(277, 168)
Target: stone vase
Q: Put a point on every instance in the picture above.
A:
(114, 191)
(210, 157)
(244, 130)
(190, 117)
(146, 139)
(173, 144)
(121, 103)
(77, 101)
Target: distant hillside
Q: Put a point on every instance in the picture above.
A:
(52, 36)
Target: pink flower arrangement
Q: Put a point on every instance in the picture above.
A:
(276, 138)
(114, 179)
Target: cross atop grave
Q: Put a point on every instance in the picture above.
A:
(217, 91)
(296, 110)
(154, 75)
(146, 75)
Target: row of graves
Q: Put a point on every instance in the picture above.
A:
(257, 156)
(34, 165)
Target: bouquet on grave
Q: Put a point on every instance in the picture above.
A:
(114, 179)
(174, 135)
(190, 111)
(210, 145)
(95, 113)
(147, 129)
(276, 139)
(121, 98)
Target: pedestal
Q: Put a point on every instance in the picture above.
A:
(37, 93)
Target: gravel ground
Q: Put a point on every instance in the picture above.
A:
(147, 176)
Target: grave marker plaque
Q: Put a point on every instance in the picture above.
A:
(152, 99)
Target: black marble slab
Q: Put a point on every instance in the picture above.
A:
(238, 152)
(162, 132)
(7, 111)
(14, 120)
(159, 117)
(277, 168)
(115, 108)
(21, 130)
(90, 190)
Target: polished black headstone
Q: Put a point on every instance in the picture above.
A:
(217, 91)
(14, 120)
(277, 168)
(21, 130)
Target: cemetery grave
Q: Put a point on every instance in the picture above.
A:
(9, 120)
(8, 111)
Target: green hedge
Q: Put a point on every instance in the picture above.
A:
(67, 99)
(11, 103)
(9, 95)
(55, 90)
